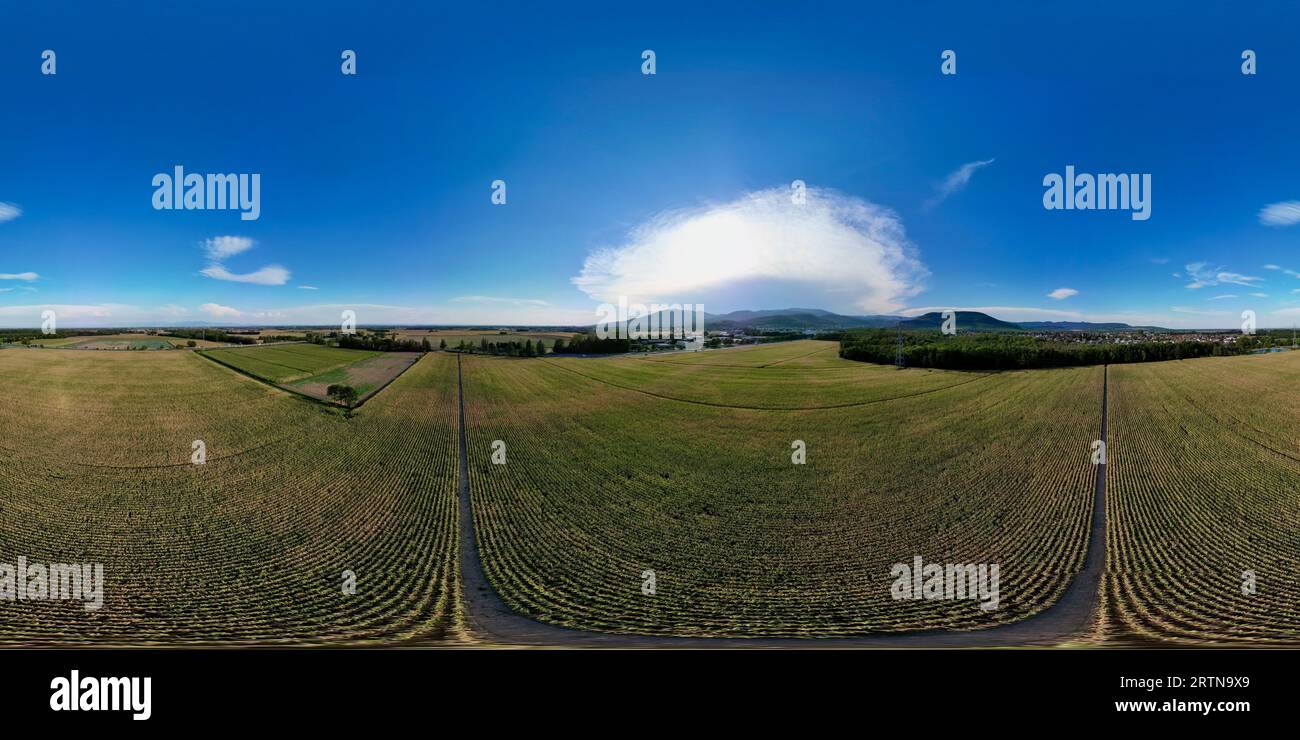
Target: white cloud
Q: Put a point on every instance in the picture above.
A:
(452, 314)
(494, 299)
(269, 275)
(220, 247)
(1062, 293)
(1280, 214)
(217, 311)
(84, 315)
(1221, 297)
(1260, 295)
(308, 287)
(9, 211)
(28, 276)
(121, 315)
(1197, 311)
(956, 180)
(1203, 276)
(833, 242)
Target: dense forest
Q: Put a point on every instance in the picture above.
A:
(1011, 352)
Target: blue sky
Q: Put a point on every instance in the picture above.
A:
(376, 188)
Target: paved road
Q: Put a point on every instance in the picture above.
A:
(491, 620)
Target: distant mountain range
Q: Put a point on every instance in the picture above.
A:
(801, 319)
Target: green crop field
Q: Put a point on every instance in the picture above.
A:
(251, 547)
(286, 363)
(1205, 486)
(806, 353)
(604, 480)
(622, 466)
(771, 380)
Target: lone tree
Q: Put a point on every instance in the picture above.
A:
(344, 394)
(442, 344)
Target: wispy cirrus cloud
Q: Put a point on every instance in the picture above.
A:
(1198, 311)
(1203, 275)
(269, 275)
(219, 248)
(308, 287)
(218, 311)
(956, 181)
(495, 299)
(1285, 213)
(1283, 270)
(87, 315)
(9, 211)
(831, 248)
(1062, 293)
(26, 276)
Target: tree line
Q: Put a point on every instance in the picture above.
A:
(1009, 352)
(590, 344)
(212, 335)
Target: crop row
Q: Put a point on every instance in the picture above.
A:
(1204, 505)
(601, 484)
(250, 547)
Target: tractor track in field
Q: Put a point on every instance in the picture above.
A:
(491, 620)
